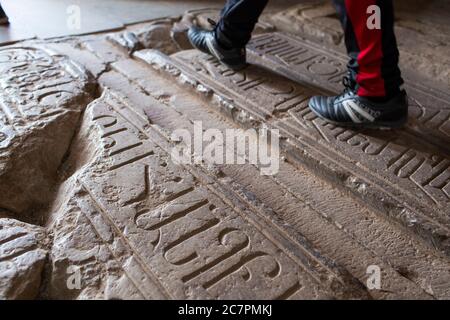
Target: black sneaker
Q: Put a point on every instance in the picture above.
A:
(3, 17)
(349, 109)
(205, 41)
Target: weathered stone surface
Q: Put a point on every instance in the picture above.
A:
(22, 258)
(156, 35)
(125, 222)
(41, 99)
(403, 186)
(168, 228)
(339, 226)
(126, 40)
(316, 20)
(76, 50)
(88, 261)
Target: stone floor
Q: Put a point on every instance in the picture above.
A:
(28, 17)
(94, 206)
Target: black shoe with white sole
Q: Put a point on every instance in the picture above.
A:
(205, 41)
(349, 109)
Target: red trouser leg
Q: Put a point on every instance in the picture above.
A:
(369, 77)
(373, 51)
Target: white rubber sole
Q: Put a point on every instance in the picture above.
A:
(364, 125)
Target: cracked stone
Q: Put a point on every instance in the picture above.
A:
(22, 258)
(42, 97)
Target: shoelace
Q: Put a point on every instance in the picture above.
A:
(348, 83)
(212, 22)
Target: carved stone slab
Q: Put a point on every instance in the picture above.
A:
(178, 108)
(41, 97)
(404, 177)
(183, 238)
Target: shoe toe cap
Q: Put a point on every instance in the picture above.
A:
(193, 32)
(197, 37)
(319, 104)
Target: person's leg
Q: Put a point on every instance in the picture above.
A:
(373, 53)
(373, 96)
(238, 19)
(230, 35)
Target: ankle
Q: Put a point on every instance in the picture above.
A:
(385, 98)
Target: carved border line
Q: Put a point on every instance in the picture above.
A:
(162, 291)
(107, 245)
(288, 130)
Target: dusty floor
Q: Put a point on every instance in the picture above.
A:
(94, 206)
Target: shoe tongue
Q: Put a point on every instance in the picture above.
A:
(348, 93)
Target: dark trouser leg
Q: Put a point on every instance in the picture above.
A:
(2, 12)
(238, 19)
(3, 17)
(373, 53)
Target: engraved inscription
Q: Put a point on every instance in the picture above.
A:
(183, 233)
(272, 94)
(404, 167)
(378, 152)
(34, 81)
